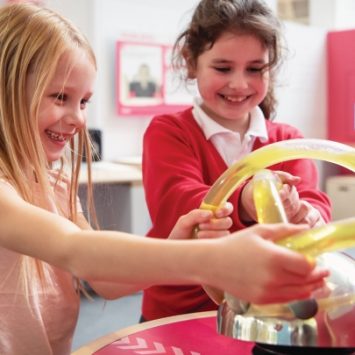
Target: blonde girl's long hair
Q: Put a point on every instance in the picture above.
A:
(32, 40)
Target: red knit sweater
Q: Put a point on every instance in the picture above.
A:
(179, 167)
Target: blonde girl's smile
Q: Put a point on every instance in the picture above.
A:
(57, 137)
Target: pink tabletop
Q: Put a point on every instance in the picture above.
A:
(191, 336)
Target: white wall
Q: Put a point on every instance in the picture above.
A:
(302, 83)
(158, 20)
(332, 14)
(301, 89)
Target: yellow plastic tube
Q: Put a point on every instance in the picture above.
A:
(271, 154)
(313, 242)
(339, 235)
(331, 237)
(268, 204)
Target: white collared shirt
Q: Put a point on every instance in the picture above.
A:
(226, 141)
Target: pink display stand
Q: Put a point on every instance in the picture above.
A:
(341, 85)
(193, 334)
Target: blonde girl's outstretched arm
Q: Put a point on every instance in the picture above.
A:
(106, 289)
(245, 264)
(210, 224)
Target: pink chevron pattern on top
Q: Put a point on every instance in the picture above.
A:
(188, 337)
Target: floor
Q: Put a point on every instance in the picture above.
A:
(99, 317)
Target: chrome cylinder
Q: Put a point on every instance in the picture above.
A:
(331, 324)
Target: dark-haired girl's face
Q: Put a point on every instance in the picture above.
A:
(232, 78)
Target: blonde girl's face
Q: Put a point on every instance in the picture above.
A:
(232, 79)
(62, 110)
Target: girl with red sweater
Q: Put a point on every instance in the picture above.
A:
(231, 48)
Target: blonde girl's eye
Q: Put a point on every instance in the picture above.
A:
(60, 97)
(83, 103)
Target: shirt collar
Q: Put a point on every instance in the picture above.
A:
(257, 126)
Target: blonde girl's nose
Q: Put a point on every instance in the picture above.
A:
(81, 119)
(76, 118)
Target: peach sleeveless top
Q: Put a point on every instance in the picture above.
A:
(43, 322)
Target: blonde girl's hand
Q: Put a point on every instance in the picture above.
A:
(203, 223)
(259, 271)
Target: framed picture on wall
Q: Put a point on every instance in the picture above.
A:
(144, 82)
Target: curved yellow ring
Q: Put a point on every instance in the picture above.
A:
(274, 153)
(313, 242)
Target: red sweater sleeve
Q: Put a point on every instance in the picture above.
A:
(179, 167)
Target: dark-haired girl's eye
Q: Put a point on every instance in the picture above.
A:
(256, 69)
(222, 69)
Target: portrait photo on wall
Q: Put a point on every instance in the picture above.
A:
(143, 84)
(143, 80)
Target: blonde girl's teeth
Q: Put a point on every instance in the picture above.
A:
(55, 136)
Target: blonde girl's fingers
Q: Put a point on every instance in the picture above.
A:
(311, 277)
(284, 292)
(293, 262)
(297, 268)
(290, 292)
(293, 286)
(278, 230)
(287, 260)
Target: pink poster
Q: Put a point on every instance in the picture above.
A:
(37, 2)
(144, 80)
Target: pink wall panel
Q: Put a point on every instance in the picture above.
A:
(341, 86)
